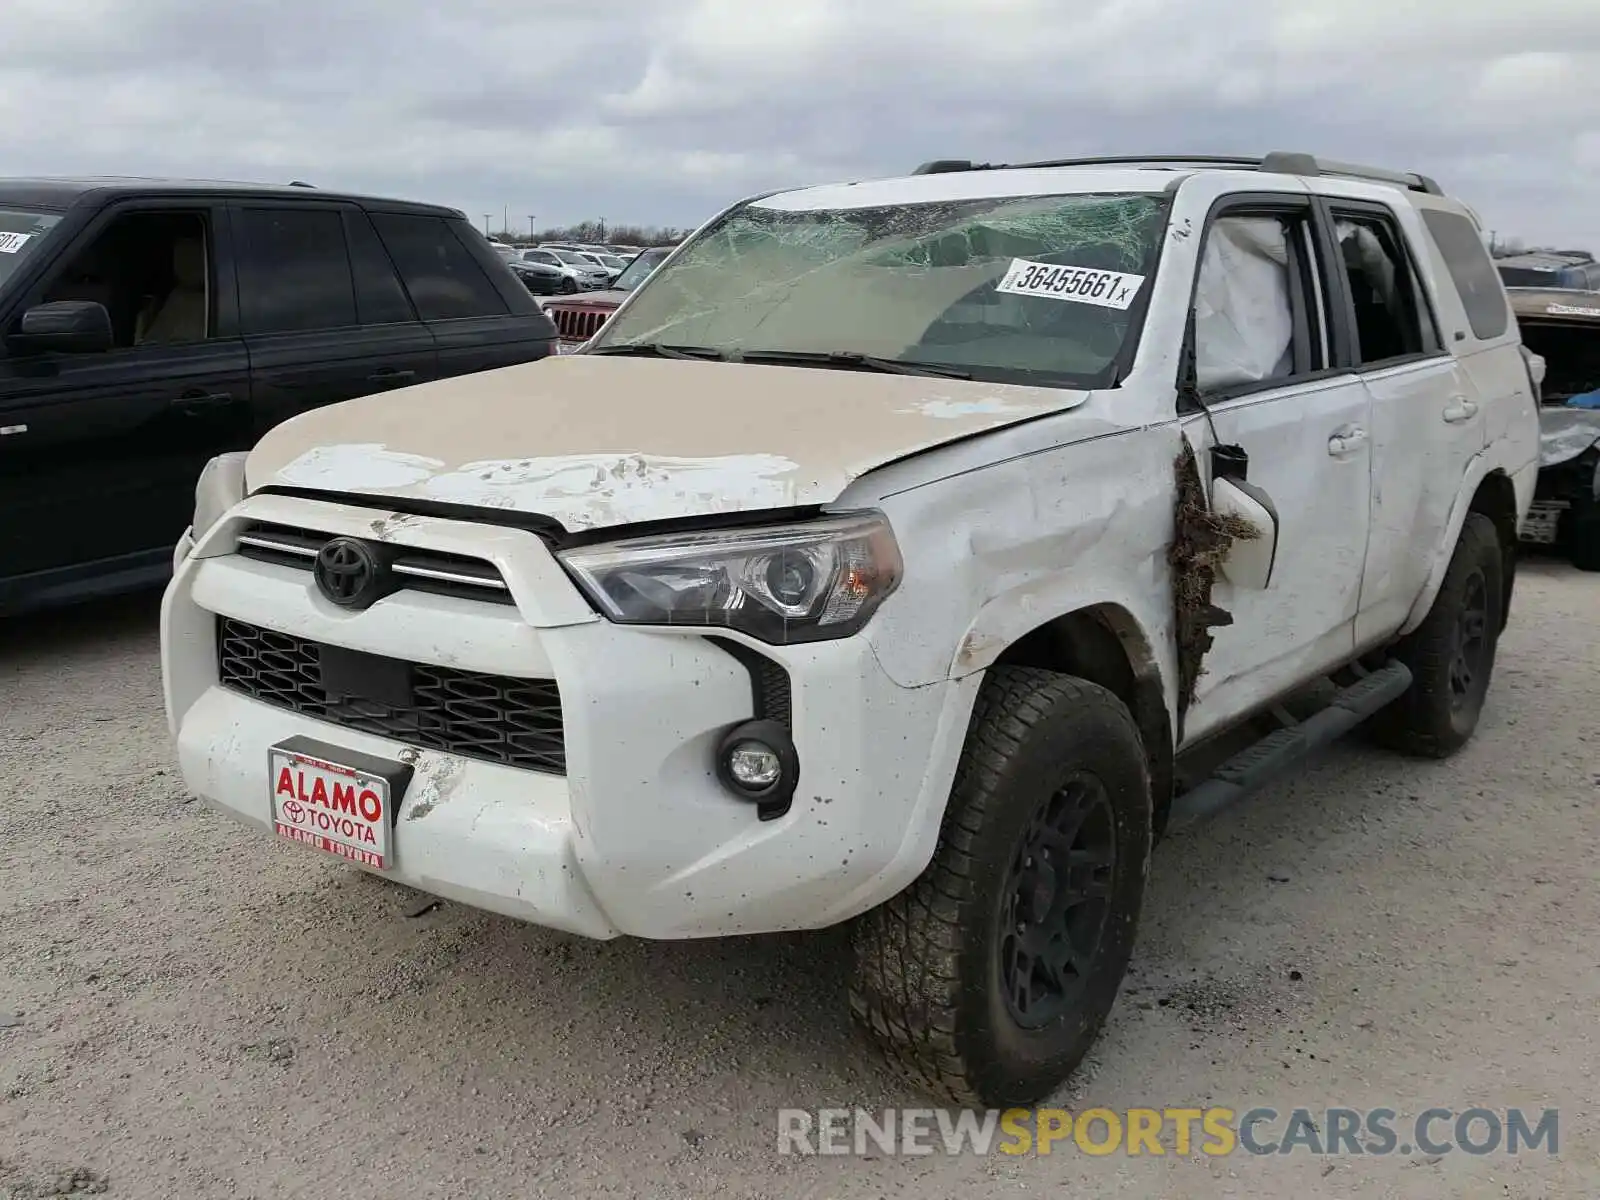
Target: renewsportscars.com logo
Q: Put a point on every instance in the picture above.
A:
(1216, 1132)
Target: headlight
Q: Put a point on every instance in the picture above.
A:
(220, 487)
(781, 584)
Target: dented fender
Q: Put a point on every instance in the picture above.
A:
(1008, 547)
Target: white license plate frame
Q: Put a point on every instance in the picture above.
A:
(340, 802)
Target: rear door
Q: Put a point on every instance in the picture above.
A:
(325, 318)
(100, 451)
(1428, 419)
(480, 315)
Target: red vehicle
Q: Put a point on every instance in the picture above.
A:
(579, 317)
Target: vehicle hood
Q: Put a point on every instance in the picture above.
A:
(597, 441)
(611, 298)
(1565, 433)
(1564, 305)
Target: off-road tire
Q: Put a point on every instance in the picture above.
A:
(927, 986)
(1434, 719)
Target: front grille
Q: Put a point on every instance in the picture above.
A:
(577, 324)
(415, 570)
(493, 718)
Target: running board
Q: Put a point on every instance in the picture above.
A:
(1290, 746)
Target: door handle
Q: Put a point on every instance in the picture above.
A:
(1346, 440)
(1460, 409)
(197, 401)
(390, 375)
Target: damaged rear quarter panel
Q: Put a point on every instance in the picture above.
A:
(996, 551)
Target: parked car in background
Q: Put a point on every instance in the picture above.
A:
(581, 317)
(147, 327)
(1574, 269)
(586, 275)
(1562, 327)
(542, 278)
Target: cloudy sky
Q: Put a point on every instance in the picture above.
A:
(661, 111)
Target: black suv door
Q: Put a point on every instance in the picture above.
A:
(325, 318)
(481, 316)
(102, 449)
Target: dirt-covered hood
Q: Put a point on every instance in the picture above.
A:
(596, 441)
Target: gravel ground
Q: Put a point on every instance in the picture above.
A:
(187, 1010)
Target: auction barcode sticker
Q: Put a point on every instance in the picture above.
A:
(1082, 285)
(10, 243)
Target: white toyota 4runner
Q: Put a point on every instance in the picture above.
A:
(882, 560)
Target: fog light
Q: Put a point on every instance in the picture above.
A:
(754, 766)
(757, 761)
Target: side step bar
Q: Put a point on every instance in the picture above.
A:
(1290, 746)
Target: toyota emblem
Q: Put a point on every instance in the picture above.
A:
(348, 573)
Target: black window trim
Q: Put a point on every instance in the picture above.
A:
(1329, 209)
(236, 211)
(1304, 296)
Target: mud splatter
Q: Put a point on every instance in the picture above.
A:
(1200, 544)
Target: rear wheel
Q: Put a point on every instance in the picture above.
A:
(1585, 540)
(989, 978)
(1451, 654)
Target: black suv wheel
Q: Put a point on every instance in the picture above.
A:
(990, 977)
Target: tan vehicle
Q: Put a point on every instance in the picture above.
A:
(1562, 328)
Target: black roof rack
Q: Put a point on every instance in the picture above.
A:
(1280, 162)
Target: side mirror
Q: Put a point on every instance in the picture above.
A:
(65, 327)
(1250, 560)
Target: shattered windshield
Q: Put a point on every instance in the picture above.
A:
(20, 232)
(1037, 289)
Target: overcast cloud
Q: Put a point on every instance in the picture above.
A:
(662, 111)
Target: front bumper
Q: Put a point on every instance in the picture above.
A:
(638, 837)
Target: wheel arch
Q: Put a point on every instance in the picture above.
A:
(1485, 490)
(1104, 644)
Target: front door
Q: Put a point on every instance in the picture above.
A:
(102, 451)
(1262, 368)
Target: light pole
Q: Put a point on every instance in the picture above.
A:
(485, 224)
(532, 232)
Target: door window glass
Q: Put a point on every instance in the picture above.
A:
(444, 279)
(1389, 318)
(153, 273)
(294, 270)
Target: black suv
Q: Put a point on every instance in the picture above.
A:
(146, 326)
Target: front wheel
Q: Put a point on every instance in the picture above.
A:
(569, 285)
(989, 978)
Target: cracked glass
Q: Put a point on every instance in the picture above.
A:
(913, 283)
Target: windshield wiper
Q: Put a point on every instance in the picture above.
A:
(849, 358)
(657, 350)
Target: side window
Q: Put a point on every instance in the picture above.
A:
(1257, 310)
(294, 270)
(153, 273)
(380, 300)
(1471, 269)
(1390, 320)
(444, 280)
